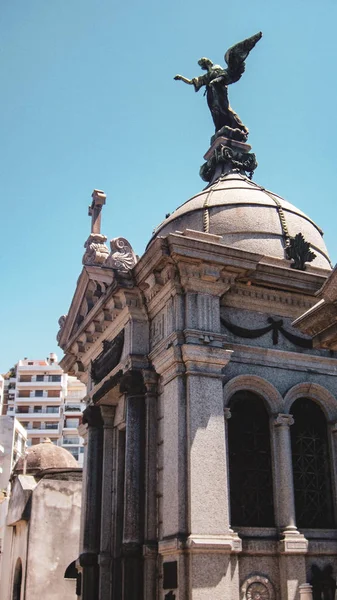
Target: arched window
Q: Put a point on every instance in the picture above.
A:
(311, 466)
(17, 580)
(250, 473)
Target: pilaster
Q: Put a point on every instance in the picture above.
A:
(150, 547)
(92, 505)
(132, 386)
(194, 415)
(332, 431)
(107, 531)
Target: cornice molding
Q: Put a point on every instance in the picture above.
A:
(282, 359)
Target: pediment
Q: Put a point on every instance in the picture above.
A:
(91, 288)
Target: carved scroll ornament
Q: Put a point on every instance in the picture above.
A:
(122, 257)
(96, 251)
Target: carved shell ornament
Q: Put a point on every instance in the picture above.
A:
(122, 256)
(257, 588)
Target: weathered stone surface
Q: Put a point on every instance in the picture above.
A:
(246, 216)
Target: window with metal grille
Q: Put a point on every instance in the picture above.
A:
(311, 466)
(250, 472)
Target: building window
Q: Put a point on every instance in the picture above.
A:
(311, 466)
(74, 452)
(39, 377)
(250, 472)
(38, 393)
(73, 423)
(54, 378)
(71, 440)
(51, 425)
(53, 394)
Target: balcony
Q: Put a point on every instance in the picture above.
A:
(71, 442)
(43, 432)
(78, 395)
(73, 411)
(44, 398)
(37, 415)
(45, 368)
(49, 385)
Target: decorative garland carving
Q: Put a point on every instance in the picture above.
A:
(236, 159)
(276, 327)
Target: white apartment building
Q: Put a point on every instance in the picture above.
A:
(2, 391)
(48, 403)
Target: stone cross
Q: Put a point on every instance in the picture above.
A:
(98, 200)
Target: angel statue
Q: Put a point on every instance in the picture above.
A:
(216, 80)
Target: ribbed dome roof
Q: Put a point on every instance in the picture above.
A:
(247, 217)
(46, 456)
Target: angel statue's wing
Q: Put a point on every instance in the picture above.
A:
(236, 55)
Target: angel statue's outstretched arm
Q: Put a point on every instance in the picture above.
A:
(216, 79)
(236, 55)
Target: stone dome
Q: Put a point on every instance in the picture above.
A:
(248, 217)
(46, 456)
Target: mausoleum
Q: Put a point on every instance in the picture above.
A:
(43, 525)
(211, 425)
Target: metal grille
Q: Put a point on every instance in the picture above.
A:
(311, 466)
(251, 488)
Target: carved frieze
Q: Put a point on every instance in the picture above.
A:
(157, 329)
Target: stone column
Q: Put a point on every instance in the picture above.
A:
(133, 531)
(332, 430)
(150, 550)
(107, 532)
(284, 498)
(293, 545)
(305, 591)
(92, 504)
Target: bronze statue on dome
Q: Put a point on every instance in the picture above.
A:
(216, 80)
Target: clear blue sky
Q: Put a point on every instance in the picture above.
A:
(88, 101)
